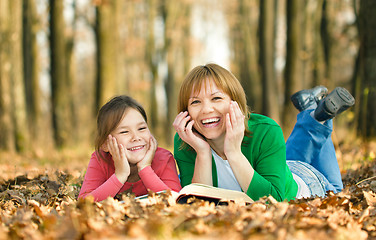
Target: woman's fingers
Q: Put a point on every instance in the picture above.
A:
(239, 114)
(233, 113)
(181, 121)
(236, 115)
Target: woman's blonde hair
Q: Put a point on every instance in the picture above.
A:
(224, 80)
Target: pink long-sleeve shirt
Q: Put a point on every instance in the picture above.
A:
(101, 182)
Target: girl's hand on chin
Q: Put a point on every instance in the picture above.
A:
(234, 130)
(118, 153)
(149, 155)
(184, 127)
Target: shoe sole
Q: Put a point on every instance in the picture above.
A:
(339, 100)
(298, 105)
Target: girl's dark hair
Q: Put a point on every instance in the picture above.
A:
(109, 117)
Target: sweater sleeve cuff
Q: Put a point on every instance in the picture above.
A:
(115, 181)
(255, 191)
(145, 172)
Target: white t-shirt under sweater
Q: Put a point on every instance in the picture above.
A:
(227, 179)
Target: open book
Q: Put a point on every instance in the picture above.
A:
(208, 193)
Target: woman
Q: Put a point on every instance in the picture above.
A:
(220, 143)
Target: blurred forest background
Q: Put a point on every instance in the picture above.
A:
(60, 60)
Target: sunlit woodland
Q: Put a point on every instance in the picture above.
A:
(61, 60)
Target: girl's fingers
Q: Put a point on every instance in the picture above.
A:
(110, 144)
(153, 143)
(115, 145)
(122, 150)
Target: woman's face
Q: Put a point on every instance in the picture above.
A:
(208, 108)
(133, 133)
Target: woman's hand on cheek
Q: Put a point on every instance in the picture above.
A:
(184, 127)
(149, 155)
(118, 153)
(234, 130)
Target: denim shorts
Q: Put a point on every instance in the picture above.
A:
(316, 182)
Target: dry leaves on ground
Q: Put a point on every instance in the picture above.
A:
(44, 206)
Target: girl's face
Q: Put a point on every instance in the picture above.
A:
(208, 109)
(134, 134)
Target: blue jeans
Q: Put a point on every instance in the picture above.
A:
(310, 142)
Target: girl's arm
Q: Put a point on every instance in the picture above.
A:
(167, 178)
(96, 183)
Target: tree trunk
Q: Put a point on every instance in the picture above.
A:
(13, 125)
(7, 138)
(367, 99)
(18, 88)
(267, 49)
(292, 80)
(31, 71)
(327, 43)
(318, 74)
(60, 91)
(152, 62)
(175, 18)
(108, 56)
(243, 39)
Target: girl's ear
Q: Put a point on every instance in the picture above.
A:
(104, 147)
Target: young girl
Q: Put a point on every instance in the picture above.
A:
(126, 156)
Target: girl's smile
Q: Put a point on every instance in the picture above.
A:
(136, 148)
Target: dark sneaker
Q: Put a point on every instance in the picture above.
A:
(336, 102)
(308, 98)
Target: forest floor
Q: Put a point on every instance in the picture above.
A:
(38, 201)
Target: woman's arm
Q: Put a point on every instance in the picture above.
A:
(240, 165)
(269, 162)
(264, 173)
(202, 167)
(185, 158)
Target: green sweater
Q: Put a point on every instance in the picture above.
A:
(265, 150)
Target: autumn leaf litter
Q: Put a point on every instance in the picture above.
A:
(44, 206)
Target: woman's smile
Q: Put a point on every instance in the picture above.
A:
(211, 122)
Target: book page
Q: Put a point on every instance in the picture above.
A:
(214, 192)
